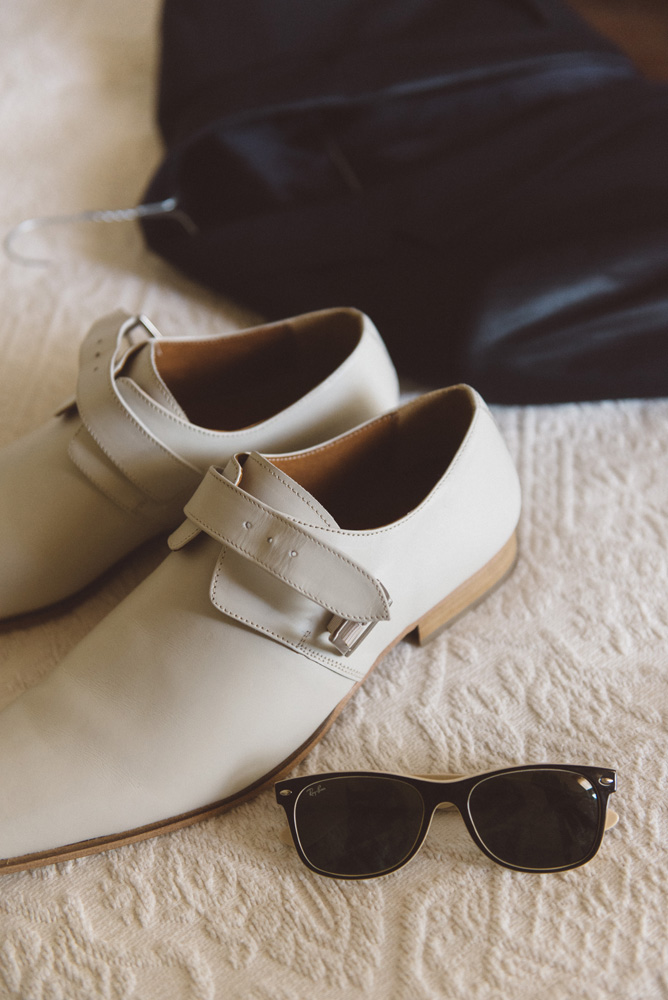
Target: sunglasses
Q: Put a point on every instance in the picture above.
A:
(531, 818)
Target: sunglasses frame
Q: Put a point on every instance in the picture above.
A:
(448, 790)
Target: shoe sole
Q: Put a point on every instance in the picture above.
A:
(466, 597)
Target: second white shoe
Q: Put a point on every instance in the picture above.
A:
(116, 464)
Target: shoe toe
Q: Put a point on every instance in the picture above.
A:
(121, 736)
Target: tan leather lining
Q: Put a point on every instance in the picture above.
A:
(378, 474)
(228, 383)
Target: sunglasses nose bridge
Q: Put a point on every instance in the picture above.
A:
(448, 802)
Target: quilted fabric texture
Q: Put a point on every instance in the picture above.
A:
(566, 662)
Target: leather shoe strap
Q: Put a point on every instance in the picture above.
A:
(149, 464)
(283, 548)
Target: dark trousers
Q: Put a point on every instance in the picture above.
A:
(486, 178)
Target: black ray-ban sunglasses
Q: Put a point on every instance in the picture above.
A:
(531, 818)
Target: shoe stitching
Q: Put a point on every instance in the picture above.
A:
(250, 431)
(339, 372)
(168, 397)
(301, 496)
(341, 668)
(440, 485)
(97, 480)
(205, 432)
(120, 404)
(350, 434)
(307, 537)
(186, 425)
(270, 569)
(192, 533)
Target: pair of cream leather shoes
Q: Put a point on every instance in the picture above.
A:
(292, 570)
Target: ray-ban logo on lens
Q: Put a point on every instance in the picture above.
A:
(317, 790)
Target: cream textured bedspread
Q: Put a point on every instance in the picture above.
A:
(566, 662)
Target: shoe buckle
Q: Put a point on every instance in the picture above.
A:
(138, 330)
(135, 330)
(346, 635)
(150, 328)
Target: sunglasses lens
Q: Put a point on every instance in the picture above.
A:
(536, 820)
(358, 826)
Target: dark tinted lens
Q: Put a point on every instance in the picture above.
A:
(358, 825)
(536, 819)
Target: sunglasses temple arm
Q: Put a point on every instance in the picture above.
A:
(611, 819)
(285, 836)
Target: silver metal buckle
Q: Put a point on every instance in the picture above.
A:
(346, 635)
(151, 329)
(146, 331)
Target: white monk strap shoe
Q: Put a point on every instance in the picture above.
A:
(289, 579)
(117, 463)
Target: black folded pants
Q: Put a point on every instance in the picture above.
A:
(486, 178)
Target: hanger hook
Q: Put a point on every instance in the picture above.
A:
(169, 206)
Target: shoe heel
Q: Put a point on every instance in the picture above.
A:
(469, 593)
